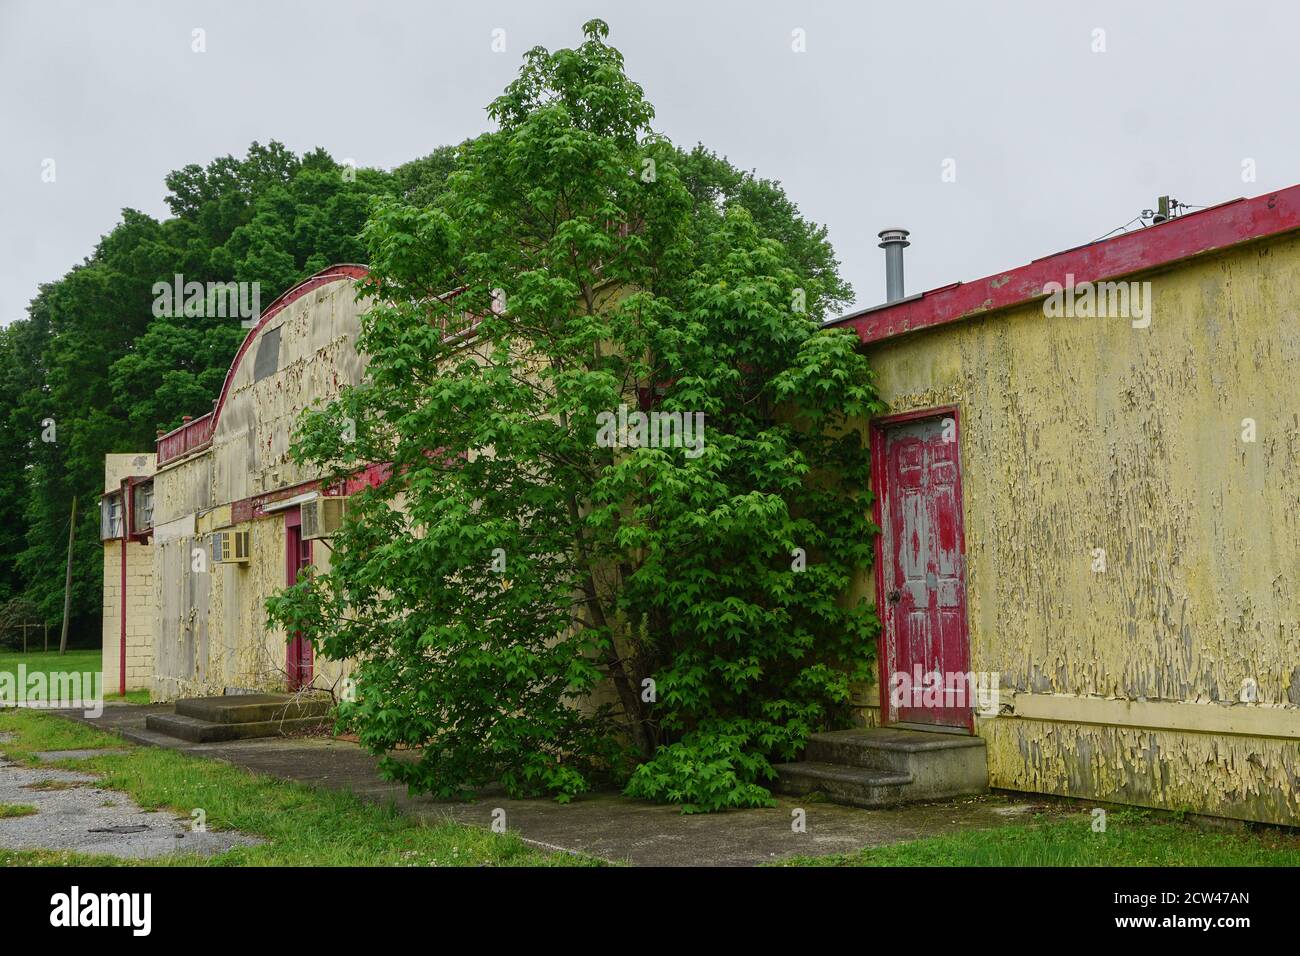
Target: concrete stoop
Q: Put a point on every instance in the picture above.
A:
(241, 717)
(885, 766)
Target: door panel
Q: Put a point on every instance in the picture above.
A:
(299, 658)
(924, 573)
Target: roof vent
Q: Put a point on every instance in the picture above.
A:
(894, 241)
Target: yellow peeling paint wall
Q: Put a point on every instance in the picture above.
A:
(1082, 435)
(211, 631)
(181, 490)
(212, 634)
(309, 348)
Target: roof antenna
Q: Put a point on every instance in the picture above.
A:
(1166, 209)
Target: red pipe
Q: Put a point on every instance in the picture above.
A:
(121, 678)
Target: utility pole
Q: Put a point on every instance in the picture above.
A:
(67, 580)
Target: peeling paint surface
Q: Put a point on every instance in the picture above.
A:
(1089, 442)
(1245, 778)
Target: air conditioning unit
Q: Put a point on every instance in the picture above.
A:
(322, 517)
(230, 547)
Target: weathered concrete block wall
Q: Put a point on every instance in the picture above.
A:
(1079, 434)
(140, 618)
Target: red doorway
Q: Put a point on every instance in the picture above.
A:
(298, 657)
(921, 571)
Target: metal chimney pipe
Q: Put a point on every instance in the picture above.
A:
(894, 241)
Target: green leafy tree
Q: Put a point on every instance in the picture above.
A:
(531, 600)
(422, 180)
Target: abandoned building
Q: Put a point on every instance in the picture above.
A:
(1087, 481)
(200, 533)
(1101, 510)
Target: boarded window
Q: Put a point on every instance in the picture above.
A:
(110, 517)
(268, 354)
(142, 504)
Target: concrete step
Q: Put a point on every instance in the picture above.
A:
(888, 748)
(205, 731)
(854, 786)
(935, 765)
(252, 708)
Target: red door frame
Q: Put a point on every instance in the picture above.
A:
(298, 658)
(879, 471)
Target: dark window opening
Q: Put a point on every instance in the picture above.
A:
(268, 354)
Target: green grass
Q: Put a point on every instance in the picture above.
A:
(54, 785)
(8, 810)
(130, 697)
(36, 732)
(80, 660)
(1132, 838)
(305, 826)
(53, 858)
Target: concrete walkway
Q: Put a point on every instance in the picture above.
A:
(609, 826)
(74, 813)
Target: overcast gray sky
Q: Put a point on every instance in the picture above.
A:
(1052, 141)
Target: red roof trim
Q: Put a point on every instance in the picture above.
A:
(208, 422)
(1198, 233)
(367, 476)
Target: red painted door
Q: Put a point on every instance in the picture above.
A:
(924, 575)
(298, 657)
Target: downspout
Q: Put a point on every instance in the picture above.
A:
(121, 671)
(121, 666)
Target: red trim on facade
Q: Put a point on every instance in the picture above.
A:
(141, 535)
(372, 476)
(1195, 234)
(878, 467)
(197, 434)
(191, 437)
(246, 509)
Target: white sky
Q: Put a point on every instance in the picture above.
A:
(1054, 144)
